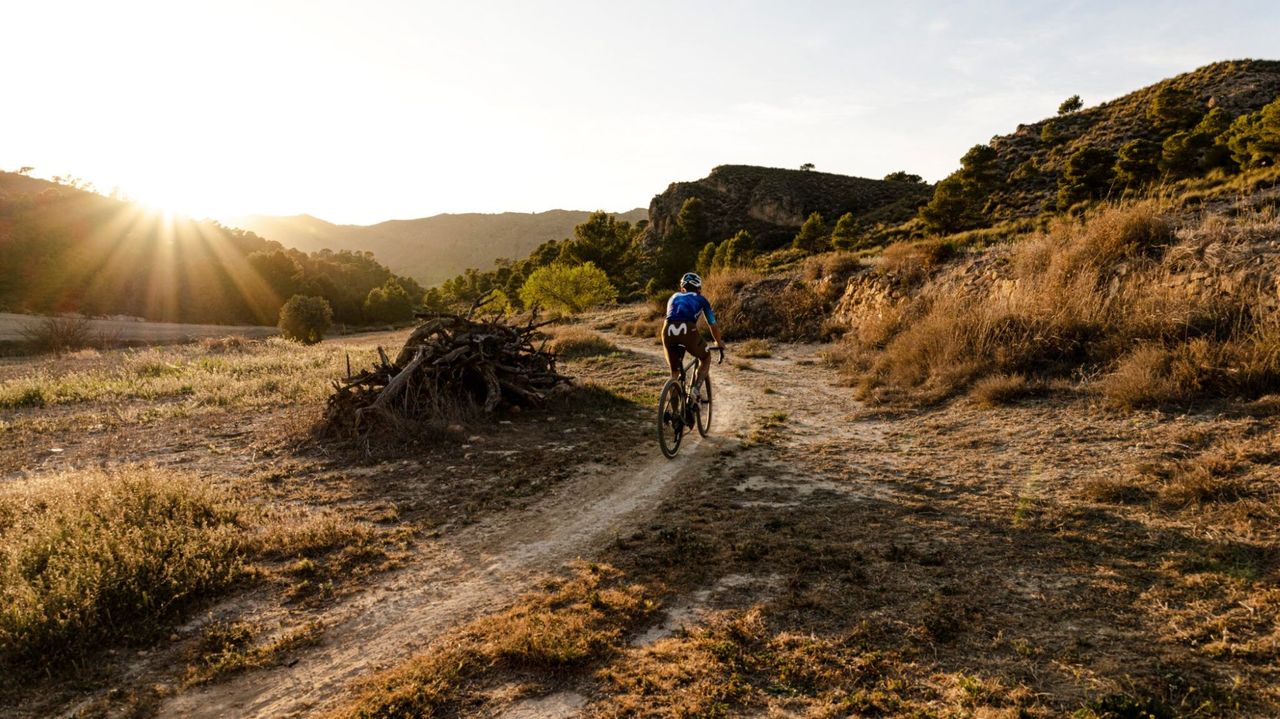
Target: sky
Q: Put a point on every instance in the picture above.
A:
(359, 112)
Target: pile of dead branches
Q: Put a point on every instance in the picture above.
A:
(450, 367)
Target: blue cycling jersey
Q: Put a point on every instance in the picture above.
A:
(686, 306)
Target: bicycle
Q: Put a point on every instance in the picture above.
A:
(676, 413)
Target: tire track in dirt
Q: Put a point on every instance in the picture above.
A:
(479, 570)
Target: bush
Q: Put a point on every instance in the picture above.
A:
(98, 557)
(577, 342)
(754, 349)
(229, 343)
(834, 266)
(305, 319)
(1070, 105)
(747, 305)
(1085, 176)
(571, 289)
(57, 335)
(912, 262)
(1000, 389)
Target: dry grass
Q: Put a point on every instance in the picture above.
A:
(642, 328)
(570, 623)
(100, 557)
(912, 262)
(1000, 389)
(257, 374)
(831, 266)
(1167, 314)
(93, 559)
(738, 660)
(225, 648)
(577, 342)
(754, 349)
(748, 305)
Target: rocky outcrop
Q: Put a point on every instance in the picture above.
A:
(771, 203)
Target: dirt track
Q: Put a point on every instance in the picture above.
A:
(13, 326)
(477, 570)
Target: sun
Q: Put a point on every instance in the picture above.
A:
(173, 197)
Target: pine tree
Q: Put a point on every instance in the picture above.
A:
(812, 236)
(845, 235)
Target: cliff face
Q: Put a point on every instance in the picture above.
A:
(772, 203)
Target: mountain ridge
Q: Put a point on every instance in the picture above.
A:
(430, 249)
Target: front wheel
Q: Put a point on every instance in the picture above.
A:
(671, 424)
(703, 410)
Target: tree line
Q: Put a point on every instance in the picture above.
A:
(68, 250)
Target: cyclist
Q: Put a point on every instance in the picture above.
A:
(680, 330)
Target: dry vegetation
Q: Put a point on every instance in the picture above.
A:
(1161, 311)
(749, 305)
(217, 488)
(571, 622)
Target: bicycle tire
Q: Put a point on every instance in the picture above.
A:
(670, 418)
(703, 410)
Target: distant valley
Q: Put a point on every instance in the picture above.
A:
(429, 249)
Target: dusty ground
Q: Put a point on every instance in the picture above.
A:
(811, 557)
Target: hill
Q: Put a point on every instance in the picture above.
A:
(429, 249)
(1033, 158)
(771, 203)
(64, 249)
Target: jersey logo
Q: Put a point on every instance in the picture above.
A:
(676, 330)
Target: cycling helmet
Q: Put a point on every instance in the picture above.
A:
(691, 279)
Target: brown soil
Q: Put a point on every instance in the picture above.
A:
(960, 552)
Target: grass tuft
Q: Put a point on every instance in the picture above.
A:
(578, 342)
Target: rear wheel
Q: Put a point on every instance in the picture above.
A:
(671, 424)
(703, 410)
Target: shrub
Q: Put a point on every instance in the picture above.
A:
(229, 343)
(57, 335)
(577, 342)
(105, 556)
(1137, 162)
(305, 319)
(1253, 139)
(1070, 105)
(571, 289)
(641, 328)
(1085, 176)
(912, 262)
(1000, 389)
(1173, 109)
(754, 349)
(747, 305)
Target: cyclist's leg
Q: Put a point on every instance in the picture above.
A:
(674, 351)
(698, 348)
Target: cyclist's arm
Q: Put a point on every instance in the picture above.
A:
(711, 321)
(715, 334)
